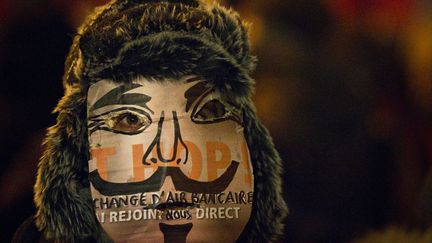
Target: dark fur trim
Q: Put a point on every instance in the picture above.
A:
(269, 208)
(173, 55)
(158, 39)
(65, 211)
(101, 43)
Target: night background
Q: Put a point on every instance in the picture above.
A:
(344, 86)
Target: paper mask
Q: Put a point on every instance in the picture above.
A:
(169, 162)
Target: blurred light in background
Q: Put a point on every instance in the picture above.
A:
(344, 86)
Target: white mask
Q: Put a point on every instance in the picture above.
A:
(169, 162)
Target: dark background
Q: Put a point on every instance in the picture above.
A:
(344, 87)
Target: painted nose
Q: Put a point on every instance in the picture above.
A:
(166, 130)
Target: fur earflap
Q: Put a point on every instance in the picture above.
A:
(269, 208)
(62, 196)
(158, 39)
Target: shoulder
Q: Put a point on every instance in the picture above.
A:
(28, 232)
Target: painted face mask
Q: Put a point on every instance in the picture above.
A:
(169, 162)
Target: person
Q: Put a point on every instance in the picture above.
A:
(157, 138)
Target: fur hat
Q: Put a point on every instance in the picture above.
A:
(157, 39)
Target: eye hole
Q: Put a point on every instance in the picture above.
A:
(129, 123)
(211, 111)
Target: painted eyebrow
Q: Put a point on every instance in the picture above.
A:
(195, 92)
(117, 96)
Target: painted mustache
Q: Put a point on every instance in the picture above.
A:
(154, 183)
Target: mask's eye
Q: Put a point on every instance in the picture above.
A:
(213, 111)
(210, 111)
(128, 122)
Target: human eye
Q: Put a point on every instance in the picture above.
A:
(129, 123)
(125, 122)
